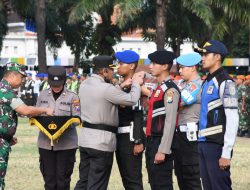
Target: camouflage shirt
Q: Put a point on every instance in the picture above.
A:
(8, 103)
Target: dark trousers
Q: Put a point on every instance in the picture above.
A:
(94, 169)
(159, 175)
(188, 176)
(186, 162)
(130, 166)
(56, 168)
(213, 178)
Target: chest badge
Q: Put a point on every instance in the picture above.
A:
(210, 89)
(157, 93)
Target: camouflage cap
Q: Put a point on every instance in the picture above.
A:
(16, 67)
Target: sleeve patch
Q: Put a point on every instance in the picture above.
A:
(170, 96)
(230, 97)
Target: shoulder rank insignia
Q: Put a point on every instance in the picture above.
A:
(54, 126)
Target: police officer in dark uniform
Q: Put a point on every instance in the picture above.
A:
(185, 146)
(57, 159)
(29, 90)
(219, 119)
(130, 137)
(161, 122)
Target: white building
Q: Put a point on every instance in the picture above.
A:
(20, 46)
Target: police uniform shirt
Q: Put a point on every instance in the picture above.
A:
(99, 105)
(67, 104)
(171, 101)
(190, 101)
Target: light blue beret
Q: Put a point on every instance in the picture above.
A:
(189, 60)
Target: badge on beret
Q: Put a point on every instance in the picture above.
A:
(157, 93)
(170, 96)
(210, 89)
(232, 89)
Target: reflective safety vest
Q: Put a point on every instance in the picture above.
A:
(157, 110)
(212, 123)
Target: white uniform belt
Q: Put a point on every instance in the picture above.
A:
(184, 128)
(210, 131)
(124, 129)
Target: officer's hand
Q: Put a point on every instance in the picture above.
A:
(138, 149)
(159, 158)
(49, 111)
(145, 91)
(127, 83)
(140, 74)
(13, 141)
(224, 163)
(138, 79)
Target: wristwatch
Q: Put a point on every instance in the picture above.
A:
(138, 141)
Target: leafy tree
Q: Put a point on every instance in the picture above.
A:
(106, 34)
(76, 35)
(3, 20)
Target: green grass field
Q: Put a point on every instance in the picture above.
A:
(23, 171)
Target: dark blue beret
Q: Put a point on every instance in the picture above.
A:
(162, 57)
(213, 46)
(127, 56)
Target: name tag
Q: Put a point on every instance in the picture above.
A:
(210, 89)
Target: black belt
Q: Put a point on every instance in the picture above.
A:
(6, 137)
(100, 127)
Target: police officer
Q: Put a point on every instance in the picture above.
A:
(99, 112)
(57, 161)
(29, 90)
(44, 84)
(74, 84)
(219, 119)
(185, 146)
(130, 137)
(10, 105)
(161, 122)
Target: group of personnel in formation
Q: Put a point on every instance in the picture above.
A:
(191, 124)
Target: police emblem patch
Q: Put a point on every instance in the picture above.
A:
(232, 89)
(170, 96)
(210, 89)
(157, 93)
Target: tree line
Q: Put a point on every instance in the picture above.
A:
(166, 22)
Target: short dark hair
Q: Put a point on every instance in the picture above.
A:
(170, 64)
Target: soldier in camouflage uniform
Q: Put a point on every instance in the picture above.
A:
(243, 117)
(10, 105)
(246, 104)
